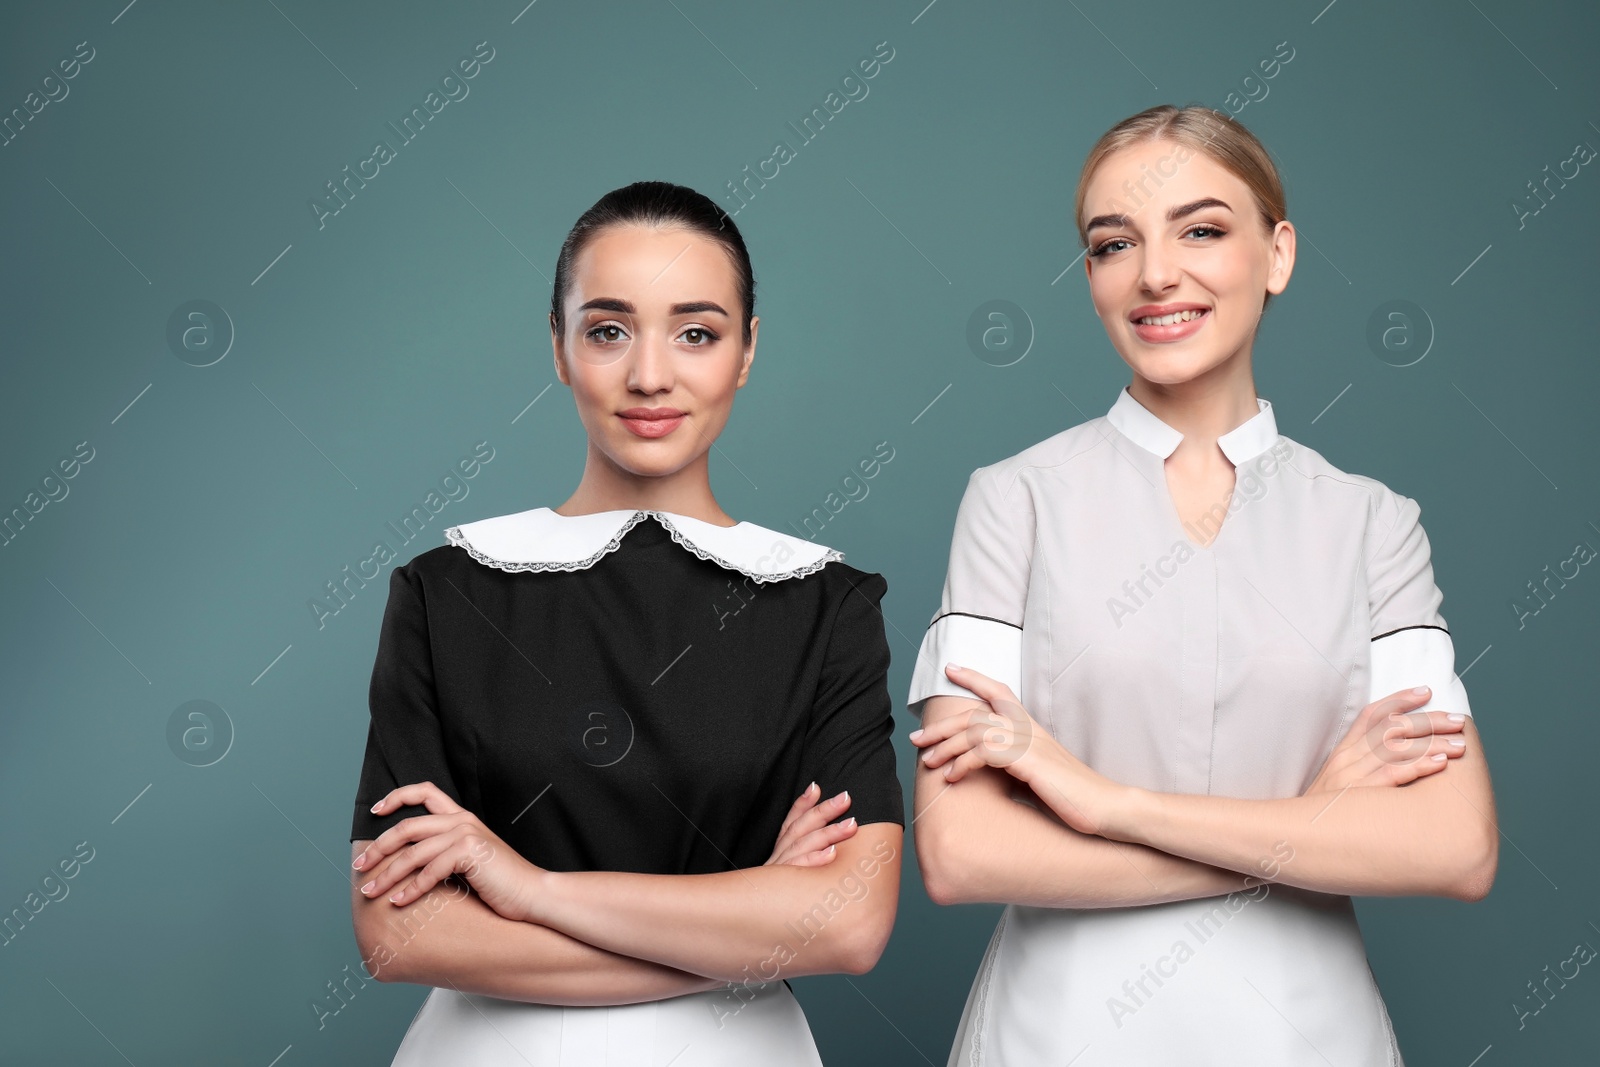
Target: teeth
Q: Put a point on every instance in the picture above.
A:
(1168, 320)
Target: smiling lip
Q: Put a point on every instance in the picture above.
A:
(651, 422)
(1176, 331)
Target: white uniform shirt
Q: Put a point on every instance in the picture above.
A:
(1229, 670)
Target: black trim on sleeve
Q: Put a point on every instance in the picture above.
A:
(970, 615)
(1418, 626)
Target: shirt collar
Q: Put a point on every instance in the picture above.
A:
(542, 540)
(1242, 443)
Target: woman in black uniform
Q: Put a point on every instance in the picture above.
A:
(577, 815)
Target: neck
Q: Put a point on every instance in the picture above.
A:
(608, 487)
(1205, 407)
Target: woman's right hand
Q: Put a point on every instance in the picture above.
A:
(1388, 744)
(808, 837)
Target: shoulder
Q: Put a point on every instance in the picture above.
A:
(1072, 445)
(1383, 508)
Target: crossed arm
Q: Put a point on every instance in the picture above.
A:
(507, 928)
(1085, 841)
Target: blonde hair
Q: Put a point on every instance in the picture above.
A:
(1200, 129)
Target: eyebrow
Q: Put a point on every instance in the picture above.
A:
(625, 307)
(1173, 213)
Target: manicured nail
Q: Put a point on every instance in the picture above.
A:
(1420, 691)
(915, 734)
(1456, 742)
(395, 898)
(376, 806)
(358, 861)
(851, 821)
(955, 666)
(368, 887)
(1458, 717)
(1436, 757)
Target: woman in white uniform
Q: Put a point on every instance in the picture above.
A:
(577, 815)
(1194, 644)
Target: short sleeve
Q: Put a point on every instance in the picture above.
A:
(1410, 643)
(979, 622)
(849, 741)
(405, 743)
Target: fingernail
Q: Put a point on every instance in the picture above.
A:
(830, 849)
(1456, 742)
(1420, 691)
(812, 788)
(395, 897)
(844, 794)
(376, 806)
(851, 821)
(955, 666)
(915, 734)
(358, 861)
(1437, 756)
(1458, 717)
(368, 887)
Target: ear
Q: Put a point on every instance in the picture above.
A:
(749, 352)
(558, 347)
(1283, 246)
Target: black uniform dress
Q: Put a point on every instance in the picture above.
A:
(628, 691)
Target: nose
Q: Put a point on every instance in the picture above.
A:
(1158, 268)
(650, 370)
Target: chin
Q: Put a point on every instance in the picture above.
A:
(1172, 368)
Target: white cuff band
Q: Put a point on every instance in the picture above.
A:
(986, 645)
(1418, 655)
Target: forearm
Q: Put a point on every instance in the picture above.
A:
(449, 937)
(759, 923)
(1425, 838)
(977, 845)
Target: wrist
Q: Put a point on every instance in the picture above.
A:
(543, 896)
(1129, 814)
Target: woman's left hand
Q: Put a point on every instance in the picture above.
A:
(1000, 733)
(427, 849)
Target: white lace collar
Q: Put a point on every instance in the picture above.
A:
(542, 540)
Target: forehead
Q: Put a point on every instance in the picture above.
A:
(1160, 173)
(653, 265)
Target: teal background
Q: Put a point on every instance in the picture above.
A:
(371, 354)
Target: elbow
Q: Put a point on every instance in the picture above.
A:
(1475, 876)
(380, 963)
(940, 866)
(863, 944)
